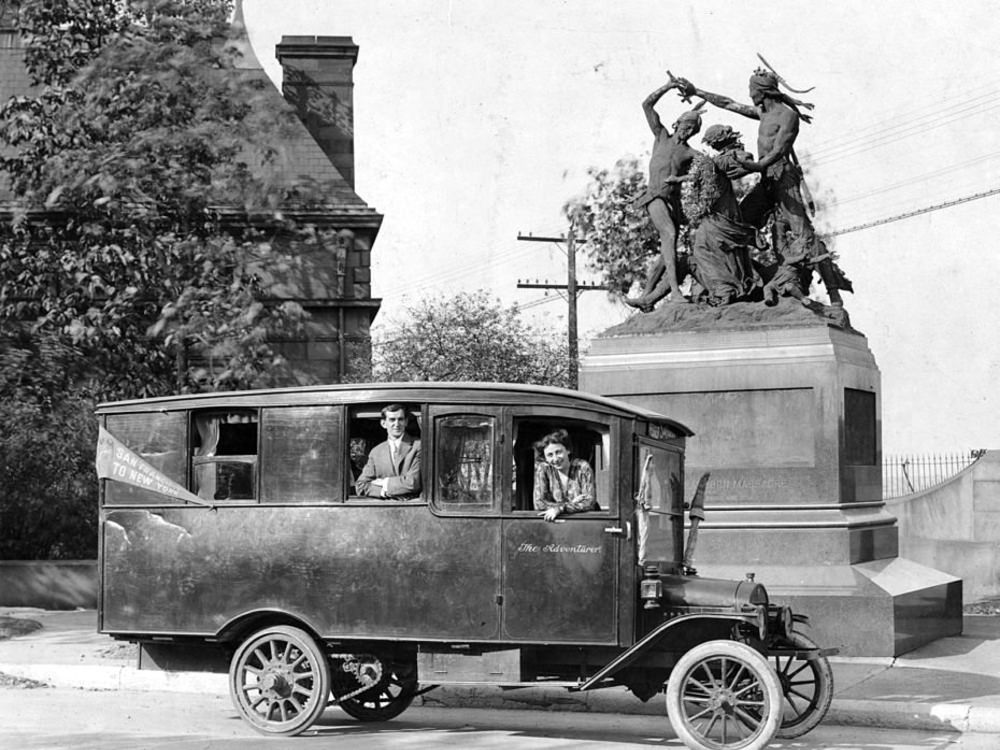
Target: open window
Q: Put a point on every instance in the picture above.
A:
(224, 454)
(365, 432)
(589, 441)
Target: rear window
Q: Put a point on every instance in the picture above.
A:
(159, 439)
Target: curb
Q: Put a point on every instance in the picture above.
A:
(937, 717)
(941, 717)
(86, 677)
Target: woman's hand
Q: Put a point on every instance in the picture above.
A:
(551, 514)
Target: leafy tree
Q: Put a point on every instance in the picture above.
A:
(142, 167)
(150, 219)
(47, 479)
(468, 337)
(621, 239)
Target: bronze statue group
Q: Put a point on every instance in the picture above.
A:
(688, 187)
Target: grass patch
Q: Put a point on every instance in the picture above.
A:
(15, 626)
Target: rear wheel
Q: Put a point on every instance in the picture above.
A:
(370, 687)
(807, 687)
(723, 695)
(279, 680)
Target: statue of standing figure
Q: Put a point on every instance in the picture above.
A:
(670, 161)
(781, 189)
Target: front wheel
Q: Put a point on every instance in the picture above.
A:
(807, 686)
(723, 695)
(279, 680)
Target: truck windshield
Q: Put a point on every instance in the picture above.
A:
(659, 504)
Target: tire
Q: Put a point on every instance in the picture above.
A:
(393, 685)
(279, 681)
(723, 695)
(807, 689)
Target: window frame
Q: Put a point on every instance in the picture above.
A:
(266, 461)
(225, 458)
(155, 499)
(611, 431)
(500, 473)
(416, 411)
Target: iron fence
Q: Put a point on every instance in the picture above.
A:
(904, 475)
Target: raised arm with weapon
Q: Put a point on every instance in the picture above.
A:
(669, 163)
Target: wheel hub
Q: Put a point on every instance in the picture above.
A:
(722, 700)
(369, 674)
(276, 684)
(367, 670)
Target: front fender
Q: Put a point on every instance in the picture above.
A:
(652, 638)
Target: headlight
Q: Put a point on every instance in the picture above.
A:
(787, 621)
(762, 622)
(758, 595)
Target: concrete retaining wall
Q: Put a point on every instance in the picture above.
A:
(955, 527)
(46, 584)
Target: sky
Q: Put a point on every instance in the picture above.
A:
(477, 120)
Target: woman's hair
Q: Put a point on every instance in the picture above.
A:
(559, 436)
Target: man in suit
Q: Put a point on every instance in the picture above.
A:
(393, 467)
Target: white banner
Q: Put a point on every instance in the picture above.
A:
(119, 464)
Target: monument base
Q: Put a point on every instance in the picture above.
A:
(786, 411)
(878, 608)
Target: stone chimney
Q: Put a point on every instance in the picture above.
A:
(318, 80)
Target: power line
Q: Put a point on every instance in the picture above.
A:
(904, 117)
(917, 212)
(919, 128)
(572, 291)
(918, 178)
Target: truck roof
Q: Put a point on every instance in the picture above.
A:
(431, 392)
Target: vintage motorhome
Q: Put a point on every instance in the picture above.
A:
(232, 523)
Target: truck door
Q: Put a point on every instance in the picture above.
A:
(466, 498)
(561, 579)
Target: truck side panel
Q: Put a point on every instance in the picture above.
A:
(349, 570)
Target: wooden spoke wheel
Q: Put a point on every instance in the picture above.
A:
(807, 687)
(279, 680)
(390, 687)
(723, 695)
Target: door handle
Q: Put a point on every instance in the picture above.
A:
(619, 531)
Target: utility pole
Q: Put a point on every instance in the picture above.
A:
(572, 291)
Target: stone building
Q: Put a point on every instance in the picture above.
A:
(332, 278)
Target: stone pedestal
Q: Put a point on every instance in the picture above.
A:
(787, 418)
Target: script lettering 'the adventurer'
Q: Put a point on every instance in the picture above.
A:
(576, 549)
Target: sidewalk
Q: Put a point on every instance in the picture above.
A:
(951, 685)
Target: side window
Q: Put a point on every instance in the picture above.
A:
(589, 443)
(370, 463)
(300, 455)
(159, 439)
(224, 454)
(464, 462)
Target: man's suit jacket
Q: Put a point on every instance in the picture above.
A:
(403, 476)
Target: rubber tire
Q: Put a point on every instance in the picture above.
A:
(819, 701)
(315, 678)
(368, 706)
(761, 672)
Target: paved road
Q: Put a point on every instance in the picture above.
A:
(58, 719)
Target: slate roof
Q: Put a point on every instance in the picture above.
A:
(300, 154)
